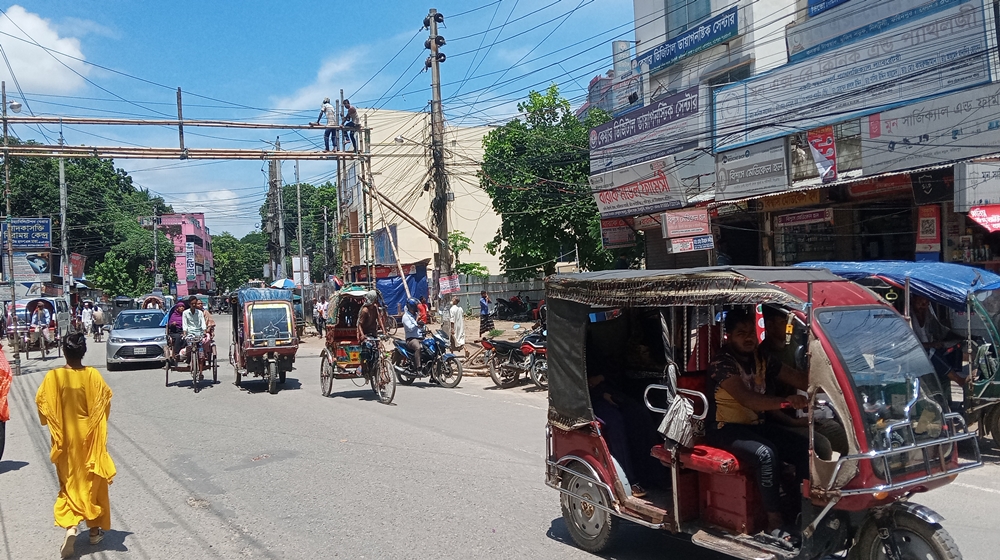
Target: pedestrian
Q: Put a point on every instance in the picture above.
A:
(87, 317)
(331, 124)
(457, 316)
(6, 376)
(422, 310)
(323, 306)
(350, 124)
(485, 321)
(74, 402)
(315, 313)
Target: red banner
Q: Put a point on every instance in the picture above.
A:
(824, 151)
(929, 229)
(986, 216)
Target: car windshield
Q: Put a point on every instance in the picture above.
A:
(146, 320)
(269, 321)
(890, 370)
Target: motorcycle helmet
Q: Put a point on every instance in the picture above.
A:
(411, 305)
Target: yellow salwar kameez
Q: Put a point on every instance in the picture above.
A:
(75, 404)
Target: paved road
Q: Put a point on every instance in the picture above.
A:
(237, 473)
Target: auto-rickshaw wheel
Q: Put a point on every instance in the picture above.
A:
(325, 375)
(271, 374)
(592, 528)
(915, 538)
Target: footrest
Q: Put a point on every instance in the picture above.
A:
(735, 548)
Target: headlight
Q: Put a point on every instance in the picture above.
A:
(160, 339)
(117, 340)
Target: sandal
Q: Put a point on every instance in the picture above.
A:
(68, 541)
(638, 491)
(94, 539)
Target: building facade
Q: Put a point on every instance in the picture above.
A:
(192, 252)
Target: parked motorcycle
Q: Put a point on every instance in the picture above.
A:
(436, 361)
(507, 360)
(516, 307)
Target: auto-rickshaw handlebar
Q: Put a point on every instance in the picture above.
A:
(687, 392)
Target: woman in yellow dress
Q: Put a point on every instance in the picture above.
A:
(74, 401)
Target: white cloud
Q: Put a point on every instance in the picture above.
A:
(36, 70)
(342, 71)
(77, 27)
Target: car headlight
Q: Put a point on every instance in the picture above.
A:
(117, 340)
(160, 339)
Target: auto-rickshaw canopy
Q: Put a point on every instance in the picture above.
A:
(573, 299)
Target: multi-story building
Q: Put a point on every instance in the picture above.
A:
(192, 252)
(598, 95)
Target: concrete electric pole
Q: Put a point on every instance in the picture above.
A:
(67, 270)
(281, 215)
(302, 259)
(439, 205)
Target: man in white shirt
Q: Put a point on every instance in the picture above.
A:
(331, 121)
(457, 317)
(193, 320)
(322, 307)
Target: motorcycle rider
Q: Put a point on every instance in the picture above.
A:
(412, 330)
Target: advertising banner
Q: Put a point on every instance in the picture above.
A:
(977, 183)
(823, 146)
(751, 171)
(191, 265)
(31, 266)
(640, 189)
(450, 284)
(77, 263)
(713, 31)
(882, 187)
(820, 6)
(662, 128)
(804, 218)
(929, 228)
(622, 90)
(958, 126)
(29, 233)
(616, 233)
(986, 216)
(686, 223)
(791, 199)
(688, 244)
(922, 55)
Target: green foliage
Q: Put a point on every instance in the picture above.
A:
(461, 243)
(238, 260)
(110, 274)
(314, 198)
(535, 170)
(495, 333)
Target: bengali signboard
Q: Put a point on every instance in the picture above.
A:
(29, 233)
(790, 199)
(921, 56)
(191, 264)
(805, 218)
(987, 216)
(820, 6)
(616, 233)
(640, 189)
(751, 171)
(662, 128)
(688, 244)
(882, 187)
(713, 31)
(977, 183)
(958, 126)
(450, 284)
(686, 223)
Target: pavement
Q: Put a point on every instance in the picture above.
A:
(234, 472)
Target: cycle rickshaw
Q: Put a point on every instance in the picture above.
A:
(38, 341)
(195, 355)
(264, 340)
(348, 357)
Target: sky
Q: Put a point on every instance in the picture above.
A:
(255, 61)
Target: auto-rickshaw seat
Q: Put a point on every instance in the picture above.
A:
(701, 458)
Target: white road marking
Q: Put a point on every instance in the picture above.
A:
(973, 487)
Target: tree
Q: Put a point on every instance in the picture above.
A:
(314, 198)
(460, 243)
(238, 260)
(535, 170)
(110, 274)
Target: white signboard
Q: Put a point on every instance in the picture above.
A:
(925, 56)
(640, 189)
(977, 183)
(622, 89)
(686, 223)
(298, 277)
(752, 171)
(688, 244)
(31, 266)
(958, 126)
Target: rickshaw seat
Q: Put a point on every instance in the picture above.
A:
(701, 458)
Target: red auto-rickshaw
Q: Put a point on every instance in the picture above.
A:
(662, 329)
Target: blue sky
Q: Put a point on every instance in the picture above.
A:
(255, 61)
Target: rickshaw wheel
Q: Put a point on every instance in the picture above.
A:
(384, 382)
(448, 373)
(592, 529)
(166, 373)
(325, 375)
(272, 377)
(540, 372)
(990, 421)
(915, 537)
(215, 367)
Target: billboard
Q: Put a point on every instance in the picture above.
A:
(957, 126)
(977, 183)
(190, 263)
(705, 35)
(752, 171)
(819, 6)
(664, 127)
(640, 189)
(29, 233)
(616, 233)
(920, 56)
(31, 266)
(686, 223)
(688, 244)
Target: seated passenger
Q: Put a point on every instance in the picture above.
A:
(738, 380)
(828, 434)
(946, 356)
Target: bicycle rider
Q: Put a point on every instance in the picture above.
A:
(194, 324)
(41, 318)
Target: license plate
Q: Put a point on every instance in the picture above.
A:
(139, 350)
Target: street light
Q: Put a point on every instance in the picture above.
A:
(15, 107)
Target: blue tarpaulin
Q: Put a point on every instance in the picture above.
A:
(263, 294)
(948, 283)
(395, 295)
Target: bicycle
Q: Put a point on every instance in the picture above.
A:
(98, 333)
(195, 354)
(376, 369)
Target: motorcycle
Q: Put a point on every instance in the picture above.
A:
(436, 361)
(507, 360)
(517, 306)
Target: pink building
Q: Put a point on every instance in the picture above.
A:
(193, 252)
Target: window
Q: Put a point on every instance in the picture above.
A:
(194, 239)
(682, 14)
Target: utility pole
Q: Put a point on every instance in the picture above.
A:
(281, 215)
(439, 205)
(156, 249)
(63, 227)
(272, 228)
(298, 196)
(10, 237)
(326, 252)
